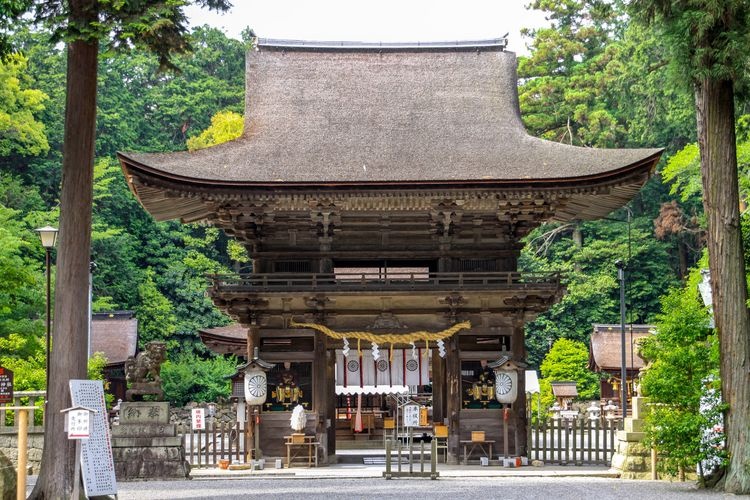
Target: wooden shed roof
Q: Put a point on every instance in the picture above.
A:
(115, 334)
(328, 115)
(566, 389)
(605, 347)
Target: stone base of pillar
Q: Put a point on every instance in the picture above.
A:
(145, 445)
(631, 458)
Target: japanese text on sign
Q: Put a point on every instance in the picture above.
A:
(79, 424)
(199, 419)
(6, 385)
(411, 416)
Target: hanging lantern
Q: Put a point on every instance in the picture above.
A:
(256, 381)
(506, 379)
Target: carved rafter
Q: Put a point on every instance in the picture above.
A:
(318, 303)
(245, 221)
(454, 301)
(445, 215)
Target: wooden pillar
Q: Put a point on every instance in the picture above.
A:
(453, 402)
(519, 417)
(320, 388)
(438, 388)
(331, 399)
(253, 340)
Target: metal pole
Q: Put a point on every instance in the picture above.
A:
(623, 366)
(49, 324)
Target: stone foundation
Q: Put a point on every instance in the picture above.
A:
(145, 445)
(9, 448)
(631, 458)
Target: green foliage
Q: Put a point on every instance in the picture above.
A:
(20, 131)
(95, 371)
(191, 378)
(225, 126)
(682, 374)
(683, 171)
(591, 277)
(21, 295)
(567, 360)
(706, 39)
(156, 319)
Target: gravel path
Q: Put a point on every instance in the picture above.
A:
(409, 489)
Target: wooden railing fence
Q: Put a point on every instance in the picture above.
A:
(219, 441)
(573, 441)
(8, 418)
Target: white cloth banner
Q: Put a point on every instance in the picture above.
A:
(362, 370)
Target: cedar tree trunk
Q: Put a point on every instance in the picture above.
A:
(716, 137)
(69, 351)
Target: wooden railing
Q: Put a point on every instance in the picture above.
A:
(382, 281)
(9, 418)
(220, 440)
(573, 441)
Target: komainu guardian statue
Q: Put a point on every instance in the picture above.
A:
(143, 372)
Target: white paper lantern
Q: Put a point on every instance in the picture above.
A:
(256, 385)
(506, 386)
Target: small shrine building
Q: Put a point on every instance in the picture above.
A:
(382, 191)
(605, 357)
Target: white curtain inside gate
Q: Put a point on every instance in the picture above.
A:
(408, 367)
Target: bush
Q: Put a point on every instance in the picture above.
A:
(190, 378)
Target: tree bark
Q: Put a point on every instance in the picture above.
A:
(716, 136)
(69, 350)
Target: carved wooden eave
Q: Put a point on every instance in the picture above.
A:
(250, 212)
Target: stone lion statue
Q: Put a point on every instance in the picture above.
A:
(143, 372)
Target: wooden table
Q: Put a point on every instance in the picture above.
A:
(295, 450)
(484, 446)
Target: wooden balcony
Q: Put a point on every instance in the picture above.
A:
(375, 282)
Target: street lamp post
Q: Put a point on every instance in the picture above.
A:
(623, 367)
(48, 235)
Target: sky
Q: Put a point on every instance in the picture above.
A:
(377, 21)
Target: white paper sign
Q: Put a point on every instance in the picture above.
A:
(411, 416)
(79, 424)
(198, 419)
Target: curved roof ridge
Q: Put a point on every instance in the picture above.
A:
(283, 43)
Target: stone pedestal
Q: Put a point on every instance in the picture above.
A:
(145, 445)
(631, 458)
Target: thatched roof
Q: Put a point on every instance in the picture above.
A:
(605, 348)
(362, 115)
(115, 334)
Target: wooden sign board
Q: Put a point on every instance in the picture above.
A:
(411, 416)
(198, 419)
(79, 424)
(6, 385)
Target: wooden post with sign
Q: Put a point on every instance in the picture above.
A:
(78, 426)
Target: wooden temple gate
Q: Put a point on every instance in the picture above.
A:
(382, 197)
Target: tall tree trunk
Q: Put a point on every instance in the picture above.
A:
(69, 349)
(715, 114)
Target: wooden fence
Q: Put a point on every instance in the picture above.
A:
(8, 418)
(219, 441)
(573, 441)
